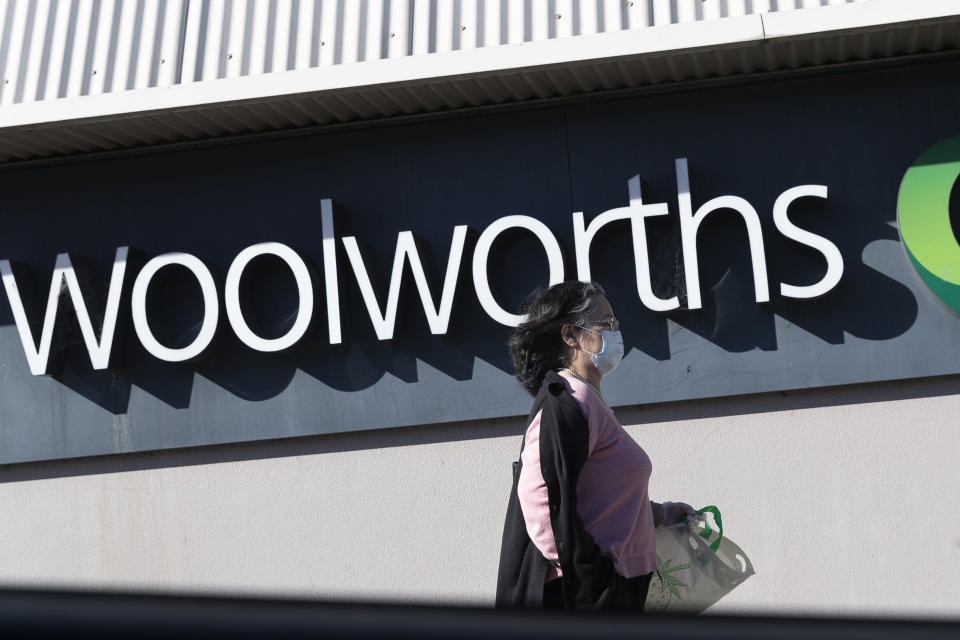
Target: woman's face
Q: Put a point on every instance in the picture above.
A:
(602, 319)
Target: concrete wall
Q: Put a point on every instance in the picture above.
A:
(845, 499)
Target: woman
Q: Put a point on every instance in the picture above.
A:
(579, 526)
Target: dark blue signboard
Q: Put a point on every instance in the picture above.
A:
(773, 313)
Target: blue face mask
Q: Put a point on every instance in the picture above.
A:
(610, 354)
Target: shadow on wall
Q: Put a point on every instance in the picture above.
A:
(730, 317)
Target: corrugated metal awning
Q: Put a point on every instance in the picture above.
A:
(505, 74)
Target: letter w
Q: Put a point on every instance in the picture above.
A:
(438, 318)
(99, 350)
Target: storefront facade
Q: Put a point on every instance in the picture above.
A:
(275, 363)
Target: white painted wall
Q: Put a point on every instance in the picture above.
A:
(846, 500)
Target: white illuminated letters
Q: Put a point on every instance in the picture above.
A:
(437, 318)
(821, 244)
(438, 311)
(637, 213)
(482, 253)
(211, 307)
(38, 355)
(690, 224)
(304, 297)
(329, 243)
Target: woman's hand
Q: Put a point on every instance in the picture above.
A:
(670, 513)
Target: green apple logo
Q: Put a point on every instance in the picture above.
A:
(923, 215)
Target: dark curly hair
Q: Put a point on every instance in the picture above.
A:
(535, 345)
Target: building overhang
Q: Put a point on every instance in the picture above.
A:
(506, 74)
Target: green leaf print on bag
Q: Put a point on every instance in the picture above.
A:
(664, 586)
(696, 565)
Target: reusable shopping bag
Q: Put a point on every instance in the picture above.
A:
(696, 565)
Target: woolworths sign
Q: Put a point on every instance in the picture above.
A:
(749, 241)
(437, 303)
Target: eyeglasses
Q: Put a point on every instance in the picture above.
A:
(609, 325)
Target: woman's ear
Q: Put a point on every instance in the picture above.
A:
(567, 333)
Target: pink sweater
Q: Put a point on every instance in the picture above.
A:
(612, 495)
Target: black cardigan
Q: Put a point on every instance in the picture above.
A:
(589, 579)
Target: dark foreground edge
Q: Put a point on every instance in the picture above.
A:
(107, 614)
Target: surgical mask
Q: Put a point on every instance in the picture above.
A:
(610, 354)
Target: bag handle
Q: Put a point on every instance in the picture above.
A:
(708, 530)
